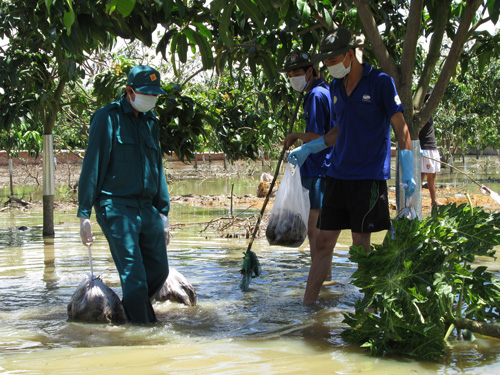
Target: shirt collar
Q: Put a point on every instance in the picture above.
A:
(367, 69)
(316, 83)
(127, 108)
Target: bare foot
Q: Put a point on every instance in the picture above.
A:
(437, 203)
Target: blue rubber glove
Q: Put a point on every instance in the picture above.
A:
(406, 159)
(299, 155)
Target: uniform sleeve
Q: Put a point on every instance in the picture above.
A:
(162, 199)
(95, 162)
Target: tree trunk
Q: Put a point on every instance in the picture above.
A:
(486, 329)
(11, 173)
(48, 185)
(48, 215)
(49, 114)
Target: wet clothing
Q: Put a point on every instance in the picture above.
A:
(318, 116)
(363, 148)
(359, 205)
(122, 177)
(356, 194)
(317, 111)
(316, 187)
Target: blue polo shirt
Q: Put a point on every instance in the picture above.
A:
(363, 148)
(317, 110)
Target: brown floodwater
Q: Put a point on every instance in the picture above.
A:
(263, 331)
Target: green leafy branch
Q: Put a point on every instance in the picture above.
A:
(420, 284)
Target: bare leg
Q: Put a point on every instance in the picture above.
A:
(312, 234)
(422, 177)
(362, 239)
(321, 264)
(431, 184)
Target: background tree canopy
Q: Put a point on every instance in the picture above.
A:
(56, 67)
(52, 43)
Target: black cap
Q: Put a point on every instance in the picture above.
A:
(337, 42)
(296, 59)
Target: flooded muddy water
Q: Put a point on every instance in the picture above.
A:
(263, 331)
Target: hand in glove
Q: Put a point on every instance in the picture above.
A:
(406, 159)
(299, 155)
(85, 232)
(166, 228)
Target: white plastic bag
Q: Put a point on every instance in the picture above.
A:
(288, 220)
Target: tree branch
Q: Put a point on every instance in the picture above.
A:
(433, 56)
(375, 39)
(451, 61)
(486, 329)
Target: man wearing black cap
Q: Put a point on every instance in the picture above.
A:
(303, 76)
(122, 177)
(365, 104)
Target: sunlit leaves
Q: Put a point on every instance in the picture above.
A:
(124, 7)
(413, 282)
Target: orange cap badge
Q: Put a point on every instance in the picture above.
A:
(153, 77)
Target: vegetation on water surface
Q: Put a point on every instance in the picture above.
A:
(422, 280)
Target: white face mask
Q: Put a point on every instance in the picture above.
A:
(339, 70)
(143, 103)
(298, 83)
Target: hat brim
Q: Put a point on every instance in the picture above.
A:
(326, 55)
(151, 90)
(296, 66)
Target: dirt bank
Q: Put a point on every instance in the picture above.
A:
(68, 174)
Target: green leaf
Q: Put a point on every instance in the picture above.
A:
(217, 5)
(285, 8)
(225, 22)
(163, 43)
(207, 58)
(181, 8)
(268, 66)
(48, 4)
(182, 48)
(203, 29)
(69, 19)
(125, 7)
(251, 10)
(494, 10)
(414, 279)
(264, 5)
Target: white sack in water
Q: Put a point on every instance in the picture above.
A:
(95, 302)
(177, 289)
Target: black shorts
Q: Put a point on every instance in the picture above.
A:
(359, 205)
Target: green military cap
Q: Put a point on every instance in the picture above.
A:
(146, 80)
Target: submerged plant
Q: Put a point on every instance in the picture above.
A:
(421, 282)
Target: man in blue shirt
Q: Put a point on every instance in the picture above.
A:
(303, 76)
(122, 178)
(365, 104)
